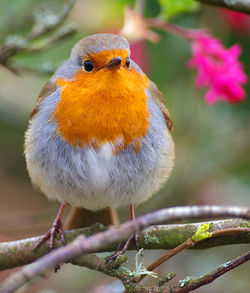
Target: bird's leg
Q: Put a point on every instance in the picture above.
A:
(54, 230)
(136, 235)
(133, 236)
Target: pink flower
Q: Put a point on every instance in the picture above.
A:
(218, 69)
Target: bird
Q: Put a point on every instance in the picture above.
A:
(99, 136)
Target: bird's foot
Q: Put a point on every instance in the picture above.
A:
(56, 228)
(119, 251)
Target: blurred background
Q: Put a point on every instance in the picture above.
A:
(212, 142)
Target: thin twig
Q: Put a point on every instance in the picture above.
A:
(190, 283)
(15, 44)
(189, 244)
(137, 27)
(60, 35)
(172, 28)
(231, 231)
(43, 28)
(82, 245)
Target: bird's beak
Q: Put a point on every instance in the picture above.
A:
(113, 63)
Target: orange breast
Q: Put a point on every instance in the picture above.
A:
(103, 106)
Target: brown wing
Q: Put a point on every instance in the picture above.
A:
(48, 89)
(159, 100)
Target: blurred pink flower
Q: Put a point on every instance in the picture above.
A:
(218, 69)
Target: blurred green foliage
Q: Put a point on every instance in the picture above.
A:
(171, 8)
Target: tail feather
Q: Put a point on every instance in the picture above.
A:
(80, 218)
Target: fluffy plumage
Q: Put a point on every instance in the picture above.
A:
(97, 175)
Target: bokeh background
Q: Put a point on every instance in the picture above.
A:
(212, 142)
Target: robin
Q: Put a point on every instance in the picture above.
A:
(99, 134)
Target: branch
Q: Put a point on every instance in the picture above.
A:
(112, 269)
(63, 33)
(45, 21)
(131, 282)
(188, 284)
(172, 28)
(48, 21)
(103, 240)
(236, 5)
(191, 283)
(187, 244)
(21, 252)
(190, 243)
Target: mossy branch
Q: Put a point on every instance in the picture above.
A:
(104, 240)
(21, 252)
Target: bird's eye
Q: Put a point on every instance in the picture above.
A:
(88, 65)
(128, 62)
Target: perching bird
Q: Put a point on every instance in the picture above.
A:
(99, 135)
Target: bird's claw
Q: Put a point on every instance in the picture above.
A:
(56, 228)
(134, 237)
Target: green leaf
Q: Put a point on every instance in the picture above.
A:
(171, 8)
(202, 233)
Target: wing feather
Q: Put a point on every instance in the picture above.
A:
(159, 100)
(47, 90)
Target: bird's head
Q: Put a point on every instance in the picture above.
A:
(106, 93)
